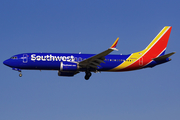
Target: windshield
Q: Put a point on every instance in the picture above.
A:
(14, 57)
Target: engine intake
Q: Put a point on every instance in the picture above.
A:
(69, 66)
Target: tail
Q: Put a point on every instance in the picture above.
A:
(151, 53)
(158, 46)
(154, 50)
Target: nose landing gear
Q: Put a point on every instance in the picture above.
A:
(20, 74)
(19, 70)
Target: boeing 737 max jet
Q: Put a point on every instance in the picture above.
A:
(69, 64)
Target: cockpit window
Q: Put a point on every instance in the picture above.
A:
(14, 57)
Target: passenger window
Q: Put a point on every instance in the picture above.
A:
(80, 59)
(75, 58)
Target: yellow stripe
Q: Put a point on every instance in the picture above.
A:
(130, 60)
(157, 37)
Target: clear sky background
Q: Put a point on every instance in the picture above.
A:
(88, 26)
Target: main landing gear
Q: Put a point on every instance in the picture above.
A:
(88, 75)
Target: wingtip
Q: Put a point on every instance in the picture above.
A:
(115, 43)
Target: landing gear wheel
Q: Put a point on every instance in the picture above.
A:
(88, 75)
(20, 74)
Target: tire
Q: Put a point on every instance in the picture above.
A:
(20, 74)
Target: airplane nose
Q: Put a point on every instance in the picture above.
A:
(6, 62)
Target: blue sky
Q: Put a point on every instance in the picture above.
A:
(89, 26)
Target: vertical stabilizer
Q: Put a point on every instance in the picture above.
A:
(159, 43)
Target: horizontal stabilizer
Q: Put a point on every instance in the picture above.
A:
(163, 57)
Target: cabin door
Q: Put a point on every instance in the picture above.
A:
(141, 61)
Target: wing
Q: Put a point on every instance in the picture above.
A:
(96, 60)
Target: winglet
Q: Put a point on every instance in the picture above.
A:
(115, 43)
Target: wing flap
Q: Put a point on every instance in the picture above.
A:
(94, 63)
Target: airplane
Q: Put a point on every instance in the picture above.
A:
(70, 64)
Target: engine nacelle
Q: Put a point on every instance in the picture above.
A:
(69, 66)
(68, 69)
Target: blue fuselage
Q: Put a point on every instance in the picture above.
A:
(52, 61)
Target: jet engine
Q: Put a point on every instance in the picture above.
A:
(68, 66)
(68, 69)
